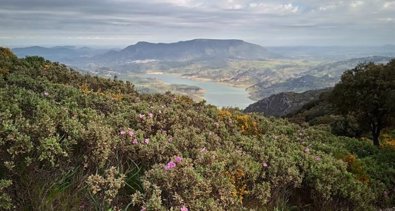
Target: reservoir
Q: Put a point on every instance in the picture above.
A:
(216, 93)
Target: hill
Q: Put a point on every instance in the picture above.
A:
(66, 54)
(198, 49)
(76, 142)
(284, 103)
(317, 77)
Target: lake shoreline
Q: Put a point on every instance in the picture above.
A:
(218, 93)
(197, 78)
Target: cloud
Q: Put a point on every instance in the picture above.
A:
(355, 4)
(184, 3)
(122, 22)
(276, 9)
(391, 20)
(389, 5)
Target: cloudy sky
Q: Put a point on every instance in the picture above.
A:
(267, 22)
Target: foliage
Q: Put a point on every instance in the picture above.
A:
(367, 93)
(346, 126)
(76, 142)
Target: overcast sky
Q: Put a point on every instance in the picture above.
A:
(120, 23)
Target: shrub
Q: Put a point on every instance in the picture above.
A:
(70, 142)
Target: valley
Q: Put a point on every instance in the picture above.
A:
(222, 72)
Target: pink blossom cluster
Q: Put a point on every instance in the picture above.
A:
(173, 164)
(143, 116)
(170, 165)
(151, 115)
(265, 165)
(128, 132)
(132, 135)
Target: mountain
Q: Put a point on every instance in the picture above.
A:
(284, 103)
(191, 50)
(64, 54)
(317, 77)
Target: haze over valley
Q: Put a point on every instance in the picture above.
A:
(255, 71)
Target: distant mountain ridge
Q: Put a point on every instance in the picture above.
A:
(197, 49)
(66, 54)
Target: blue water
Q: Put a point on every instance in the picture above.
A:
(218, 94)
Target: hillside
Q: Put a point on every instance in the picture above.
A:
(76, 142)
(316, 77)
(284, 103)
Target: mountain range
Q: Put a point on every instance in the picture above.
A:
(145, 55)
(66, 54)
(265, 71)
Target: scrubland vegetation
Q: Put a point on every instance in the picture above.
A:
(76, 142)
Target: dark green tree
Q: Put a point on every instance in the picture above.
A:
(367, 93)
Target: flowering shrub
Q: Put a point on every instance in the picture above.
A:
(76, 142)
(106, 188)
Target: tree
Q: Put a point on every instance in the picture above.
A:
(367, 93)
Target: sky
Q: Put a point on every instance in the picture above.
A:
(119, 23)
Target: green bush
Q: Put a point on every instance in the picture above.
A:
(76, 142)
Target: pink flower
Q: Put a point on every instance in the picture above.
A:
(142, 209)
(306, 150)
(264, 164)
(151, 115)
(135, 141)
(184, 208)
(170, 165)
(146, 141)
(122, 132)
(130, 133)
(178, 159)
(317, 158)
(46, 93)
